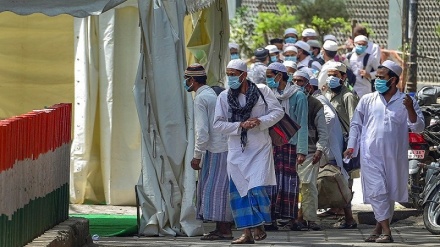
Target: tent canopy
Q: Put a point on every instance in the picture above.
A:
(77, 8)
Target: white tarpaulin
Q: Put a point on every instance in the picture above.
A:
(77, 8)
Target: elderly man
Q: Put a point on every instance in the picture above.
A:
(363, 65)
(258, 72)
(308, 171)
(212, 189)
(234, 50)
(244, 113)
(379, 130)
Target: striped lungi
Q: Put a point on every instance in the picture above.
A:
(251, 210)
(213, 189)
(284, 196)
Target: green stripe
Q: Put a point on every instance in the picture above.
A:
(35, 218)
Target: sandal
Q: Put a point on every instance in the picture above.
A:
(244, 239)
(329, 213)
(261, 236)
(215, 235)
(345, 225)
(298, 226)
(372, 238)
(384, 238)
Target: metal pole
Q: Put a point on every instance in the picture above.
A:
(412, 36)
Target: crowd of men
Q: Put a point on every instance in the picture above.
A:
(352, 115)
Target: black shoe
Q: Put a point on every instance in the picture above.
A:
(298, 226)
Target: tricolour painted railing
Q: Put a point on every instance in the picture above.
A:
(34, 173)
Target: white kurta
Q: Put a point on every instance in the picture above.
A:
(380, 130)
(254, 166)
(336, 139)
(363, 85)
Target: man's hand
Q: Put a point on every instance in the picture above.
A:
(300, 158)
(408, 102)
(348, 153)
(250, 123)
(317, 157)
(195, 164)
(365, 74)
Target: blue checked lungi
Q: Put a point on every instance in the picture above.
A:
(251, 210)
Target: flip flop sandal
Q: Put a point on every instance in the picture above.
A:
(214, 235)
(372, 238)
(384, 238)
(244, 240)
(261, 236)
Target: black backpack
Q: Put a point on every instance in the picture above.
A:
(352, 81)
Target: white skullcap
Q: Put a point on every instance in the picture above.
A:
(272, 48)
(360, 38)
(234, 45)
(290, 30)
(308, 32)
(314, 43)
(303, 45)
(313, 81)
(330, 45)
(290, 48)
(277, 66)
(330, 37)
(290, 64)
(393, 67)
(237, 64)
(316, 66)
(337, 66)
(302, 73)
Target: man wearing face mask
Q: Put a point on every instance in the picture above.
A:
(284, 196)
(244, 112)
(379, 131)
(363, 65)
(303, 56)
(289, 53)
(373, 48)
(308, 171)
(274, 54)
(290, 36)
(234, 50)
(257, 73)
(330, 50)
(213, 200)
(309, 34)
(315, 49)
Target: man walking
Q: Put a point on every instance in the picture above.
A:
(379, 131)
(212, 188)
(244, 113)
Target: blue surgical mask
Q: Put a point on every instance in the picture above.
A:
(381, 85)
(290, 40)
(290, 79)
(234, 56)
(290, 58)
(234, 81)
(360, 49)
(273, 59)
(333, 82)
(187, 88)
(271, 82)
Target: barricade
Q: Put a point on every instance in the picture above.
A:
(34, 173)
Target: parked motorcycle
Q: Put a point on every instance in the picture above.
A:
(430, 198)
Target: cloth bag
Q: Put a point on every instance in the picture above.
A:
(333, 190)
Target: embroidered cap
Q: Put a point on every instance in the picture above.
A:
(290, 64)
(277, 66)
(393, 67)
(234, 46)
(330, 37)
(337, 66)
(195, 70)
(290, 30)
(330, 45)
(261, 53)
(309, 32)
(237, 64)
(360, 38)
(302, 73)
